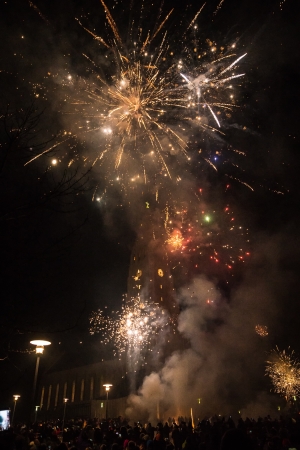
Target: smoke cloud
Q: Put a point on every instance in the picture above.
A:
(222, 370)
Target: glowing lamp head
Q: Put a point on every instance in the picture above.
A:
(39, 345)
(16, 397)
(39, 349)
(107, 386)
(66, 400)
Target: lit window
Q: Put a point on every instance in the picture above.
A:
(92, 388)
(56, 395)
(65, 390)
(82, 390)
(73, 392)
(49, 396)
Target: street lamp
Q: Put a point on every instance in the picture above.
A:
(39, 350)
(16, 398)
(63, 422)
(107, 388)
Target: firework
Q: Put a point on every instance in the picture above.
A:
(175, 240)
(284, 371)
(133, 329)
(204, 238)
(261, 330)
(137, 116)
(138, 110)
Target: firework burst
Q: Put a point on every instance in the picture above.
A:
(284, 371)
(143, 102)
(261, 330)
(202, 238)
(134, 329)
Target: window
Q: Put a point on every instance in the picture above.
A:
(92, 388)
(56, 395)
(65, 390)
(82, 390)
(73, 392)
(49, 396)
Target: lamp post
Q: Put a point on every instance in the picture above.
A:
(39, 350)
(63, 422)
(107, 388)
(16, 398)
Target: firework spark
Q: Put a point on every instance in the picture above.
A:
(284, 371)
(261, 330)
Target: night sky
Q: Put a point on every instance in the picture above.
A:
(64, 255)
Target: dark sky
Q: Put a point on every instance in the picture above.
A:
(63, 255)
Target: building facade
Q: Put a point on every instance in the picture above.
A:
(83, 387)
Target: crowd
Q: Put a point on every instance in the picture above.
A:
(215, 433)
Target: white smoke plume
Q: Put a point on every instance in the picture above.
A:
(222, 371)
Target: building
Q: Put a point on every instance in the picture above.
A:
(83, 387)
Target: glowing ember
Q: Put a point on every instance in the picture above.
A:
(261, 330)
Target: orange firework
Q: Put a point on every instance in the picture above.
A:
(175, 240)
(261, 330)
